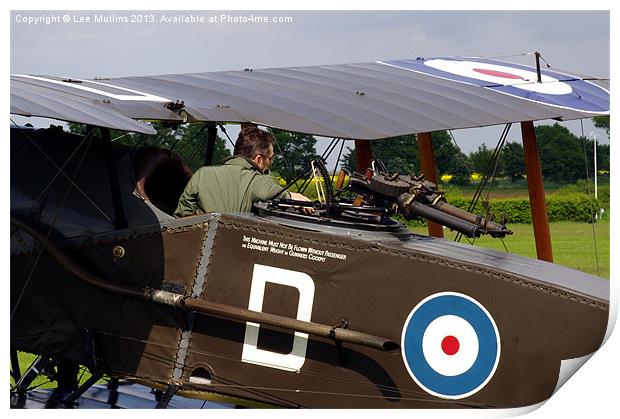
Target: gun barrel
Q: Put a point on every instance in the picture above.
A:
(469, 217)
(415, 208)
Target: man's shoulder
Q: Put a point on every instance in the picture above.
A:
(239, 162)
(226, 166)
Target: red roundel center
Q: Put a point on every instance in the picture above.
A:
(497, 73)
(450, 345)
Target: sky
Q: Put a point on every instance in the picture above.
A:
(577, 40)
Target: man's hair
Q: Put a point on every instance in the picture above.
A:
(252, 141)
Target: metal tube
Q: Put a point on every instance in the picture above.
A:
(538, 75)
(469, 217)
(76, 270)
(420, 210)
(206, 307)
(237, 313)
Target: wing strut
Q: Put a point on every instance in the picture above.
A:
(427, 167)
(535, 187)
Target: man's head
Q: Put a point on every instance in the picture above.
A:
(256, 145)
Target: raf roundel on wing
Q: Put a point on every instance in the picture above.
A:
(554, 89)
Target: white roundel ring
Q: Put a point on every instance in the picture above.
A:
(503, 75)
(519, 81)
(450, 345)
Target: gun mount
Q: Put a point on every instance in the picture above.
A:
(378, 195)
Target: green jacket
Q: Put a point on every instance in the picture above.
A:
(230, 187)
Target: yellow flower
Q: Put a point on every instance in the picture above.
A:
(446, 178)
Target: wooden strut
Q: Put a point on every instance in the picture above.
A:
(211, 138)
(363, 155)
(427, 167)
(536, 190)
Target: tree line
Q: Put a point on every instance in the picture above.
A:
(564, 156)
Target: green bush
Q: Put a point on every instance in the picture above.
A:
(562, 207)
(573, 202)
(586, 188)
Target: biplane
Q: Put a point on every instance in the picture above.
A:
(343, 308)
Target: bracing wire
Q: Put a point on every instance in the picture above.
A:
(197, 147)
(522, 54)
(199, 135)
(320, 192)
(120, 136)
(465, 162)
(67, 177)
(282, 153)
(592, 212)
(487, 174)
(49, 232)
(35, 261)
(325, 154)
(227, 136)
(338, 159)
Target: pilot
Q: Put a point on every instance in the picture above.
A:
(238, 182)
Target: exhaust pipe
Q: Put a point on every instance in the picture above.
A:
(205, 307)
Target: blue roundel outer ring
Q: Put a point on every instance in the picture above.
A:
(483, 368)
(586, 96)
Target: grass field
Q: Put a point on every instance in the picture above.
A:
(573, 244)
(26, 359)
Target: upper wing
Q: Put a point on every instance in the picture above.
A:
(355, 101)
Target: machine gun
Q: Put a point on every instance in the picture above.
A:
(415, 196)
(379, 195)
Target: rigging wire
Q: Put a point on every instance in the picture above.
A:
(56, 289)
(333, 393)
(120, 136)
(330, 148)
(485, 178)
(67, 177)
(491, 183)
(592, 213)
(64, 302)
(197, 147)
(286, 163)
(185, 144)
(338, 159)
(325, 154)
(522, 54)
(49, 232)
(465, 162)
(49, 184)
(360, 383)
(227, 136)
(199, 135)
